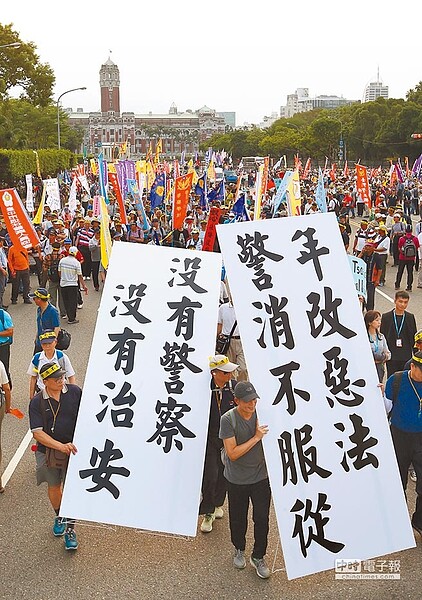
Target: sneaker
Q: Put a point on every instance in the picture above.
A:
(88, 278)
(206, 525)
(408, 289)
(84, 278)
(70, 540)
(412, 475)
(261, 567)
(80, 305)
(59, 526)
(239, 560)
(73, 322)
(218, 513)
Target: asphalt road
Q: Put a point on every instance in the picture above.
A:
(122, 563)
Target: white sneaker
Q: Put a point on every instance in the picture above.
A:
(219, 512)
(206, 525)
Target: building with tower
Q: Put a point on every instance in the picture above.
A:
(109, 128)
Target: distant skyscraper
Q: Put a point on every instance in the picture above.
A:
(375, 90)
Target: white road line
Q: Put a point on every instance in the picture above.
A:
(384, 295)
(16, 458)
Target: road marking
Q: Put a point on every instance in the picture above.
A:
(10, 469)
(384, 295)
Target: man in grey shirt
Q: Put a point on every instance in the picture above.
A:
(247, 476)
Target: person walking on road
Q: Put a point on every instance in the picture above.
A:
(70, 278)
(247, 477)
(52, 417)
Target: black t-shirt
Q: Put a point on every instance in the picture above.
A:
(65, 422)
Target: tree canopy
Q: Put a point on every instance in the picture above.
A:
(21, 69)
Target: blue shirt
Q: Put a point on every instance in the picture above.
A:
(49, 319)
(406, 413)
(7, 324)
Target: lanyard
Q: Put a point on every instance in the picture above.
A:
(398, 329)
(375, 342)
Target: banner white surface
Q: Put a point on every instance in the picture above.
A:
(53, 193)
(143, 421)
(333, 473)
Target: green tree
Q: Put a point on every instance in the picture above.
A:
(21, 68)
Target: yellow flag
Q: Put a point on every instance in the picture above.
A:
(37, 160)
(94, 168)
(211, 171)
(293, 195)
(258, 193)
(111, 168)
(141, 166)
(37, 220)
(150, 175)
(191, 169)
(105, 236)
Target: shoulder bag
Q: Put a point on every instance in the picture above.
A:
(55, 459)
(223, 341)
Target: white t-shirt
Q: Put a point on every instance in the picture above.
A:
(3, 375)
(227, 317)
(69, 268)
(64, 362)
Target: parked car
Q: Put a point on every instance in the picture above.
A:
(230, 176)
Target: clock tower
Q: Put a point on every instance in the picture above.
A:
(110, 88)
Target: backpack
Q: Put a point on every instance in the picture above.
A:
(53, 271)
(60, 359)
(409, 248)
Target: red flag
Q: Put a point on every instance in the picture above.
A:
(113, 179)
(306, 169)
(211, 231)
(346, 171)
(19, 227)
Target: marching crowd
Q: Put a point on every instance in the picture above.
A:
(68, 258)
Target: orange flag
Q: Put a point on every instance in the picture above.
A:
(362, 185)
(19, 227)
(182, 187)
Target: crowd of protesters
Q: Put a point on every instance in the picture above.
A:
(69, 255)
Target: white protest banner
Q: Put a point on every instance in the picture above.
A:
(29, 204)
(358, 269)
(333, 473)
(53, 193)
(143, 421)
(73, 196)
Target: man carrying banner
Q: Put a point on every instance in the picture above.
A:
(403, 390)
(247, 477)
(222, 399)
(52, 416)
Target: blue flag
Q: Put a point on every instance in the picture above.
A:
(239, 207)
(139, 205)
(217, 193)
(320, 196)
(102, 177)
(201, 190)
(281, 192)
(158, 188)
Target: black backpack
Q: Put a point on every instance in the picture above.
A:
(409, 248)
(53, 271)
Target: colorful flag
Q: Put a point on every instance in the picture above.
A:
(37, 161)
(18, 225)
(157, 190)
(281, 190)
(293, 195)
(320, 195)
(182, 188)
(105, 235)
(306, 169)
(362, 185)
(114, 181)
(346, 171)
(158, 151)
(211, 231)
(37, 220)
(201, 190)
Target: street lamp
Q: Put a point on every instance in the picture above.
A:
(12, 45)
(58, 111)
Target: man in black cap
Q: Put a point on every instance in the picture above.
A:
(408, 246)
(247, 477)
(52, 416)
